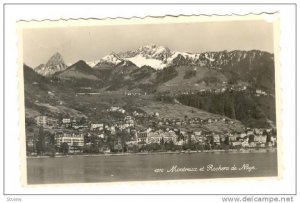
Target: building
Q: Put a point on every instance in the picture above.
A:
(80, 127)
(41, 120)
(154, 137)
(66, 120)
(158, 136)
(236, 143)
(242, 135)
(51, 94)
(95, 126)
(216, 139)
(129, 120)
(52, 122)
(260, 139)
(260, 92)
(249, 132)
(156, 114)
(198, 138)
(46, 121)
(116, 109)
(245, 143)
(75, 141)
(232, 138)
(258, 131)
(142, 137)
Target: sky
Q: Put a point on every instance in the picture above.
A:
(93, 43)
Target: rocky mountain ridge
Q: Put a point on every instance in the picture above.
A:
(159, 57)
(53, 65)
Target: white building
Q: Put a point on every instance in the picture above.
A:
(97, 125)
(157, 136)
(260, 139)
(66, 120)
(142, 137)
(260, 92)
(74, 141)
(41, 120)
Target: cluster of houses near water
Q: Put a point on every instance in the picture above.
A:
(130, 131)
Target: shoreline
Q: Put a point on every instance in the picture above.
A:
(155, 153)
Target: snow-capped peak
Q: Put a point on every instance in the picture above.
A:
(149, 55)
(154, 51)
(112, 58)
(140, 61)
(93, 63)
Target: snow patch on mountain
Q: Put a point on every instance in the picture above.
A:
(154, 51)
(173, 56)
(93, 63)
(188, 55)
(208, 58)
(112, 58)
(140, 61)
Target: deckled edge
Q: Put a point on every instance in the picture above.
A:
(21, 109)
(153, 17)
(278, 95)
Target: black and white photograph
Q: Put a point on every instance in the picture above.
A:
(150, 99)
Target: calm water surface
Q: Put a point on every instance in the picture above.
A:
(87, 169)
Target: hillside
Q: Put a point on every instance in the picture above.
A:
(44, 96)
(79, 70)
(251, 110)
(193, 78)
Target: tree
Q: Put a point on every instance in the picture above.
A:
(226, 142)
(51, 150)
(82, 121)
(133, 148)
(185, 118)
(64, 148)
(123, 136)
(251, 138)
(40, 145)
(92, 144)
(170, 146)
(51, 138)
(29, 122)
(190, 140)
(268, 137)
(162, 143)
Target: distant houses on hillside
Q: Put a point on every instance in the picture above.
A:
(132, 131)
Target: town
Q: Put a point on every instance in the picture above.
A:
(137, 132)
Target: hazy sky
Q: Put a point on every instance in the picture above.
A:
(92, 43)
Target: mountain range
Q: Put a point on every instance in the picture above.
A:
(158, 70)
(252, 67)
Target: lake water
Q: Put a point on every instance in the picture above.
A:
(87, 169)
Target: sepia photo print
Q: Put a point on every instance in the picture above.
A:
(166, 98)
